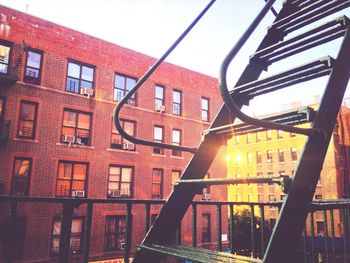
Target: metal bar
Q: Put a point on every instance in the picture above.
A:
(178, 235)
(252, 230)
(194, 225)
(325, 219)
(262, 229)
(87, 233)
(148, 216)
(231, 223)
(10, 246)
(304, 245)
(312, 236)
(333, 235)
(128, 233)
(66, 225)
(143, 79)
(219, 227)
(345, 234)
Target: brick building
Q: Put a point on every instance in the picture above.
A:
(58, 89)
(272, 153)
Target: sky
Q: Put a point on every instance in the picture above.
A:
(151, 26)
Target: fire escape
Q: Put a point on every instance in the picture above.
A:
(278, 44)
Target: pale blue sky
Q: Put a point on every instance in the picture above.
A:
(150, 26)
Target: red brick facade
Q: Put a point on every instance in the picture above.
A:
(59, 46)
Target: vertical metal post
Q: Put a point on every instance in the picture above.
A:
(262, 229)
(312, 229)
(10, 248)
(178, 235)
(87, 232)
(252, 230)
(333, 235)
(325, 219)
(345, 234)
(304, 245)
(128, 232)
(194, 225)
(219, 227)
(231, 227)
(148, 216)
(66, 225)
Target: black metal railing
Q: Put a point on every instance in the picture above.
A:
(326, 236)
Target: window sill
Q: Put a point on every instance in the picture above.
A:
(177, 157)
(25, 140)
(75, 145)
(158, 155)
(121, 151)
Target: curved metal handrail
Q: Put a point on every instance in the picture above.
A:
(142, 80)
(229, 101)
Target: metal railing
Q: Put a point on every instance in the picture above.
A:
(248, 231)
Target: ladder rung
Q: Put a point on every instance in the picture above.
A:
(320, 35)
(312, 70)
(309, 12)
(295, 117)
(197, 254)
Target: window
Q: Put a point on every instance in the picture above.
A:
(79, 76)
(320, 228)
(280, 155)
(21, 176)
(4, 58)
(258, 157)
(122, 85)
(259, 175)
(279, 134)
(293, 153)
(27, 120)
(32, 71)
(115, 233)
(158, 137)
(76, 127)
(206, 229)
(271, 184)
(159, 96)
(71, 179)
(175, 176)
(249, 137)
(117, 141)
(205, 109)
(177, 98)
(157, 184)
(120, 181)
(268, 135)
(176, 141)
(317, 197)
(75, 238)
(269, 156)
(258, 137)
(249, 158)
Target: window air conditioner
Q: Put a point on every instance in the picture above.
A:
(128, 146)
(78, 193)
(206, 197)
(69, 138)
(114, 193)
(121, 246)
(160, 108)
(87, 91)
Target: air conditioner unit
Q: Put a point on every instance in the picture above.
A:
(206, 197)
(114, 193)
(79, 140)
(87, 91)
(160, 108)
(128, 146)
(69, 138)
(78, 193)
(121, 246)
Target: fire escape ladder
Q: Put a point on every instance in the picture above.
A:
(275, 46)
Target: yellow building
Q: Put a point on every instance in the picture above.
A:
(270, 153)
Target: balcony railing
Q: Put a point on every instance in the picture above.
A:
(326, 236)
